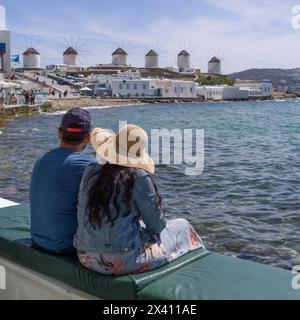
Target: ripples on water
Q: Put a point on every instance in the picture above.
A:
(247, 201)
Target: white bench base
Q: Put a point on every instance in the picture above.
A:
(25, 284)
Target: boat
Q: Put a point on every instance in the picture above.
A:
(27, 274)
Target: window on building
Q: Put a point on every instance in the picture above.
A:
(144, 86)
(127, 86)
(175, 89)
(135, 86)
(191, 90)
(181, 89)
(120, 86)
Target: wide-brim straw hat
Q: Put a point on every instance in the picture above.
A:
(127, 148)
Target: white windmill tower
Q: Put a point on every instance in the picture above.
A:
(5, 49)
(31, 54)
(124, 55)
(216, 61)
(120, 57)
(214, 65)
(73, 52)
(152, 59)
(183, 60)
(70, 56)
(188, 58)
(154, 56)
(31, 59)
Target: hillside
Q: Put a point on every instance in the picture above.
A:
(282, 79)
(214, 80)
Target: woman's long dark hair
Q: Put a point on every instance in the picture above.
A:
(112, 180)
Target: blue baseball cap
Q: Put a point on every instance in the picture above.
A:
(76, 120)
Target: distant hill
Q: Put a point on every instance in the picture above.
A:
(282, 79)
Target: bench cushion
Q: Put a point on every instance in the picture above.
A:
(219, 277)
(14, 225)
(199, 275)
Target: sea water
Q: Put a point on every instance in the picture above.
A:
(246, 203)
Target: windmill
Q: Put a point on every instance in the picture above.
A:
(188, 57)
(153, 56)
(216, 61)
(31, 52)
(122, 54)
(73, 51)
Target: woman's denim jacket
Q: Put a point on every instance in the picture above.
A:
(129, 233)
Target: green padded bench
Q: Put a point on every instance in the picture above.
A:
(219, 277)
(199, 275)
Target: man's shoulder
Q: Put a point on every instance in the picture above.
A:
(46, 157)
(80, 159)
(65, 158)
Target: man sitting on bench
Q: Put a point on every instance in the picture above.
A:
(55, 185)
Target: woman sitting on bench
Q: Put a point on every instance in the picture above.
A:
(121, 226)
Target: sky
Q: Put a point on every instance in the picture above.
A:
(243, 33)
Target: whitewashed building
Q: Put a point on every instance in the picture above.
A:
(256, 88)
(177, 88)
(102, 84)
(234, 93)
(153, 88)
(252, 92)
(219, 93)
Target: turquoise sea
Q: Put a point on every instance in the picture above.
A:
(247, 201)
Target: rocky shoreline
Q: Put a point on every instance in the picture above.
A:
(85, 102)
(60, 105)
(56, 105)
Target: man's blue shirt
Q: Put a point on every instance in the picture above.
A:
(54, 191)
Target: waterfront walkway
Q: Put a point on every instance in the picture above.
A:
(48, 83)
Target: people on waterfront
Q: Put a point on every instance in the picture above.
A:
(29, 96)
(26, 96)
(32, 98)
(2, 97)
(122, 228)
(55, 185)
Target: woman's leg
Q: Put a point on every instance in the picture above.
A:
(179, 238)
